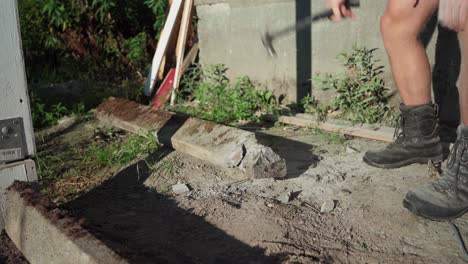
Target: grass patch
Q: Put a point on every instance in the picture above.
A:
(68, 169)
(121, 153)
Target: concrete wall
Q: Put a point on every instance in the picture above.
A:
(230, 33)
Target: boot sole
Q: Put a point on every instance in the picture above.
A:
(396, 165)
(408, 205)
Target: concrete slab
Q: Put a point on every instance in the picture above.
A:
(16, 171)
(46, 234)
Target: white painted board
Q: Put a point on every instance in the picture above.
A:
(14, 100)
(167, 31)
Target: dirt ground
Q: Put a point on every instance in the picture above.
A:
(8, 252)
(226, 218)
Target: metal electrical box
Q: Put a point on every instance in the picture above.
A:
(16, 129)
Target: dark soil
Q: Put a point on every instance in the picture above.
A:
(9, 254)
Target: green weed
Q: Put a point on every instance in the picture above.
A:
(313, 106)
(222, 100)
(362, 96)
(47, 115)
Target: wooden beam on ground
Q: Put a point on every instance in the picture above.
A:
(222, 145)
(382, 134)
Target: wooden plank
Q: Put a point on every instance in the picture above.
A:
(225, 146)
(164, 91)
(382, 134)
(169, 27)
(184, 26)
(190, 58)
(14, 99)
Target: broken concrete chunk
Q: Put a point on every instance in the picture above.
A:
(262, 162)
(284, 197)
(288, 196)
(222, 145)
(328, 206)
(180, 189)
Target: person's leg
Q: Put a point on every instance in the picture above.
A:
(447, 197)
(401, 25)
(418, 142)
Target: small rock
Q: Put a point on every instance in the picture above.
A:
(351, 150)
(328, 206)
(271, 205)
(179, 189)
(284, 197)
(346, 191)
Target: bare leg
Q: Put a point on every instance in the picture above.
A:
(401, 25)
(418, 141)
(463, 38)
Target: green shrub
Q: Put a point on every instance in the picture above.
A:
(221, 100)
(362, 96)
(85, 38)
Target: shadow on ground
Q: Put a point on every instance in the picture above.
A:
(299, 156)
(145, 226)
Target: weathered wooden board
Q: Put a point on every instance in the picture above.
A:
(382, 134)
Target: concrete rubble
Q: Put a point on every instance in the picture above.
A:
(179, 189)
(328, 206)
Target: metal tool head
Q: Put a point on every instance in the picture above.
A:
(267, 41)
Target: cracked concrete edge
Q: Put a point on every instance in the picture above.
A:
(45, 234)
(225, 146)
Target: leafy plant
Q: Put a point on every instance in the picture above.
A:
(88, 39)
(48, 115)
(313, 106)
(137, 55)
(221, 100)
(362, 96)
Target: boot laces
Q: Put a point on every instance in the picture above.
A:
(449, 182)
(399, 134)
